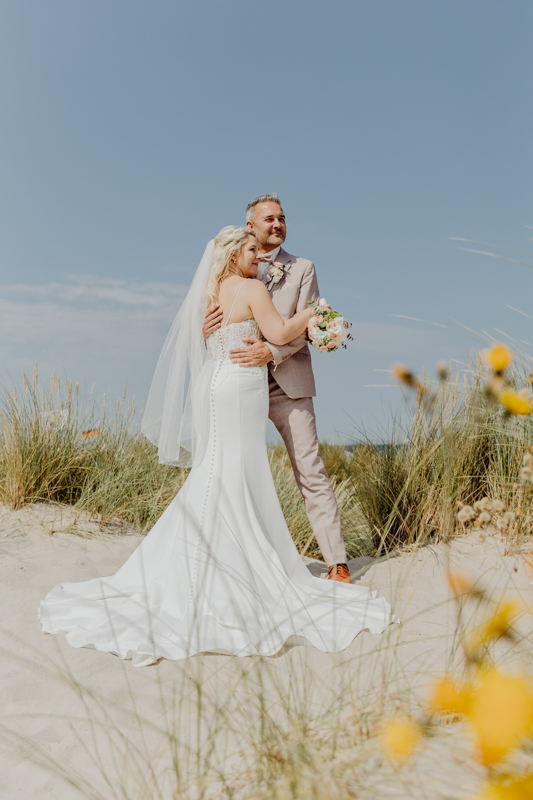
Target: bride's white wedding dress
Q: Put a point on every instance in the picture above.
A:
(219, 571)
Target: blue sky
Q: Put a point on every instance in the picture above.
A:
(132, 131)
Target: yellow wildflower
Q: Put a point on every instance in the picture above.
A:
(459, 583)
(506, 613)
(508, 788)
(406, 376)
(501, 713)
(400, 738)
(498, 357)
(514, 403)
(498, 624)
(450, 696)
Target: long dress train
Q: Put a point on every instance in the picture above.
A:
(219, 571)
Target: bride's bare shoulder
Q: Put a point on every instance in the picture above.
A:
(257, 289)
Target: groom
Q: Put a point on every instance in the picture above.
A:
(290, 380)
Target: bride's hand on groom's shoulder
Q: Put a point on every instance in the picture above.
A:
(257, 354)
(212, 321)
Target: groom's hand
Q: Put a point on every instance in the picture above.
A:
(212, 320)
(256, 355)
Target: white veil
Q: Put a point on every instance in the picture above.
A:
(176, 417)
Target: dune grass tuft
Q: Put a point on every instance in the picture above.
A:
(56, 447)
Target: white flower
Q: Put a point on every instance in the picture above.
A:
(276, 273)
(336, 328)
(526, 473)
(466, 513)
(509, 517)
(483, 518)
(317, 335)
(497, 505)
(483, 505)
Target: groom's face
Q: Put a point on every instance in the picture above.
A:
(269, 224)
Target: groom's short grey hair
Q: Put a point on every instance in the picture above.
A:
(264, 198)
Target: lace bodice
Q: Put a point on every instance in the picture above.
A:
(229, 338)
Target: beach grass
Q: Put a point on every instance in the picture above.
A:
(57, 447)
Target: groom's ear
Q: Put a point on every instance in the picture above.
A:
(250, 225)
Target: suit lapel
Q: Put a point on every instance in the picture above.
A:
(285, 258)
(282, 258)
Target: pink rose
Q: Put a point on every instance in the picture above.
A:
(324, 347)
(332, 345)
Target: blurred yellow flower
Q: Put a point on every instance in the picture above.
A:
(400, 738)
(459, 583)
(450, 696)
(514, 403)
(498, 357)
(501, 713)
(508, 788)
(498, 624)
(405, 375)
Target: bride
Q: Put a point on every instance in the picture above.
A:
(219, 571)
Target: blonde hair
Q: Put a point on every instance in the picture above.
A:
(228, 243)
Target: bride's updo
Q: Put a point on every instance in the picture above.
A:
(228, 243)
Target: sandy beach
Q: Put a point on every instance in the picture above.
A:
(71, 717)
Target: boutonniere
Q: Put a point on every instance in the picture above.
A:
(276, 273)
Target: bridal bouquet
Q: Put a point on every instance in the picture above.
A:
(327, 330)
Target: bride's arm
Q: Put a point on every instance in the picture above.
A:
(275, 329)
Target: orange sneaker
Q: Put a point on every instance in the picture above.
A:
(339, 572)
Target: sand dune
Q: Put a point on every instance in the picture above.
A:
(70, 718)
